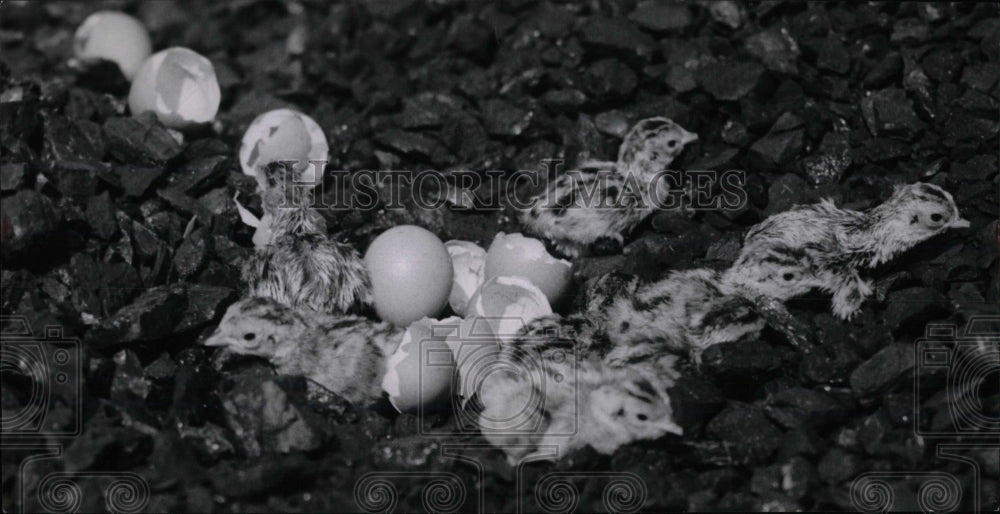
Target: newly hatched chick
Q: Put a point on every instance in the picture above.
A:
(605, 200)
(295, 262)
(822, 246)
(345, 354)
(597, 405)
(685, 313)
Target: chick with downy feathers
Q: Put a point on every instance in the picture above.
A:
(295, 262)
(344, 354)
(606, 200)
(823, 246)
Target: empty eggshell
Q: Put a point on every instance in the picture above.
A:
(508, 304)
(420, 374)
(467, 259)
(179, 86)
(411, 274)
(114, 36)
(519, 256)
(285, 135)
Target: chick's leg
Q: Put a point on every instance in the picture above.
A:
(849, 293)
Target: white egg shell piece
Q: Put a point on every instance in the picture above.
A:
(468, 260)
(285, 135)
(526, 257)
(508, 304)
(421, 372)
(477, 353)
(114, 36)
(179, 86)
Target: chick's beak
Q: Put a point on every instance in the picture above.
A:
(960, 223)
(216, 339)
(672, 427)
(689, 137)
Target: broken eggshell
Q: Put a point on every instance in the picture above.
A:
(179, 86)
(519, 256)
(410, 272)
(114, 36)
(508, 304)
(468, 260)
(421, 372)
(285, 135)
(476, 349)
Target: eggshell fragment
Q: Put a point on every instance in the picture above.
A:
(420, 374)
(411, 274)
(477, 351)
(114, 36)
(179, 86)
(467, 259)
(508, 304)
(526, 257)
(285, 135)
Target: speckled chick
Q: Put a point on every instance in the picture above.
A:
(606, 200)
(296, 263)
(685, 313)
(596, 405)
(823, 246)
(345, 354)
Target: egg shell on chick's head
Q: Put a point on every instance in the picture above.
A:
(179, 86)
(526, 257)
(468, 261)
(410, 272)
(285, 135)
(421, 373)
(508, 304)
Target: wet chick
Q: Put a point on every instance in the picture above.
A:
(606, 200)
(296, 263)
(597, 405)
(685, 313)
(345, 354)
(823, 246)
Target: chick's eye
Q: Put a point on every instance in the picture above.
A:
(788, 276)
(641, 417)
(937, 217)
(672, 143)
(249, 336)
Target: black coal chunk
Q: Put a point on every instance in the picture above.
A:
(72, 140)
(13, 175)
(271, 415)
(154, 314)
(609, 79)
(28, 216)
(796, 406)
(838, 466)
(694, 400)
(137, 179)
(884, 369)
(746, 428)
(192, 253)
(889, 111)
(830, 161)
(907, 308)
(140, 140)
(776, 49)
(726, 80)
(782, 143)
(618, 37)
(409, 143)
(502, 118)
(661, 16)
(129, 383)
(205, 303)
(831, 55)
(884, 72)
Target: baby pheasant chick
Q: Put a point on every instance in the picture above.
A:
(343, 354)
(822, 246)
(598, 405)
(685, 313)
(605, 200)
(296, 263)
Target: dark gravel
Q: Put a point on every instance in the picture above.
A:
(124, 234)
